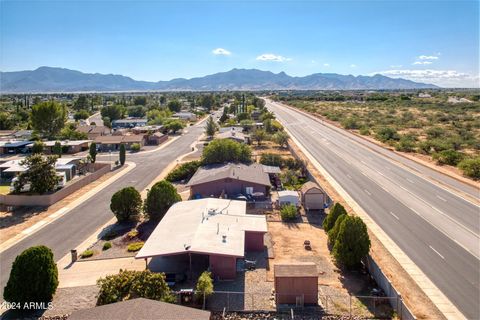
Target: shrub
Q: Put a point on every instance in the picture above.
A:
(364, 131)
(126, 204)
(352, 242)
(271, 159)
(122, 155)
(183, 172)
(106, 246)
(226, 150)
(33, 277)
(386, 133)
(86, 254)
(288, 212)
(135, 246)
(450, 157)
(406, 144)
(281, 138)
(333, 233)
(132, 234)
(336, 211)
(135, 147)
(289, 178)
(160, 198)
(133, 284)
(350, 123)
(470, 167)
(38, 147)
(204, 286)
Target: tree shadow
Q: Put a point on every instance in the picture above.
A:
(19, 215)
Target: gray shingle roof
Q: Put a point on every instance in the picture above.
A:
(250, 173)
(140, 309)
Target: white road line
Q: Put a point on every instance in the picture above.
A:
(410, 180)
(445, 200)
(367, 192)
(437, 252)
(349, 176)
(393, 214)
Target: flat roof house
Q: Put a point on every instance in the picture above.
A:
(189, 116)
(113, 142)
(129, 123)
(94, 131)
(229, 181)
(68, 146)
(233, 135)
(14, 147)
(216, 229)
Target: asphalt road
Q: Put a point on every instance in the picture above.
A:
(436, 227)
(73, 228)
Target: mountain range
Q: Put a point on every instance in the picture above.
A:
(48, 79)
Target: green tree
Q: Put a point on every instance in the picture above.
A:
(140, 100)
(113, 112)
(48, 118)
(126, 204)
(57, 149)
(259, 135)
(92, 151)
(204, 286)
(69, 132)
(33, 277)
(174, 105)
(211, 127)
(352, 242)
(271, 159)
(160, 198)
(122, 154)
(38, 147)
(133, 284)
(281, 138)
(40, 173)
(6, 122)
(81, 103)
(81, 115)
(174, 125)
(450, 157)
(336, 211)
(136, 111)
(333, 233)
(471, 167)
(207, 101)
(288, 212)
(226, 150)
(224, 116)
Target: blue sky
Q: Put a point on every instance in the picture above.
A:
(430, 41)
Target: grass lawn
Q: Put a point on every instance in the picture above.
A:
(4, 188)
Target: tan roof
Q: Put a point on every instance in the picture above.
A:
(133, 138)
(140, 309)
(297, 269)
(207, 226)
(93, 129)
(250, 173)
(309, 185)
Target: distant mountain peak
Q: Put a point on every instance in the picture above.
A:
(55, 79)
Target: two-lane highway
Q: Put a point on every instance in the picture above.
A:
(433, 224)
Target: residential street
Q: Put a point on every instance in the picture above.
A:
(73, 228)
(438, 229)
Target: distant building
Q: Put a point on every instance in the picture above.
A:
(15, 147)
(234, 135)
(94, 131)
(129, 123)
(113, 142)
(187, 116)
(424, 95)
(68, 146)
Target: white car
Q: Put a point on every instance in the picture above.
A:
(26, 186)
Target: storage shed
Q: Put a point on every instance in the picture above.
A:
(288, 197)
(296, 283)
(313, 197)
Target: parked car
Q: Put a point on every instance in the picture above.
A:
(26, 186)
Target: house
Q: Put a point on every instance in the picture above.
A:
(68, 146)
(156, 138)
(288, 197)
(12, 168)
(424, 95)
(296, 283)
(140, 309)
(129, 123)
(229, 181)
(187, 116)
(93, 132)
(231, 128)
(215, 233)
(113, 142)
(147, 129)
(313, 197)
(14, 146)
(234, 135)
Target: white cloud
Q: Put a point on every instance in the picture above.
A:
(422, 62)
(272, 57)
(221, 52)
(326, 65)
(424, 57)
(396, 66)
(443, 78)
(353, 65)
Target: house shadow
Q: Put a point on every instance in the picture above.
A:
(19, 215)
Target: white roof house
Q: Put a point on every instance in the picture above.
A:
(288, 197)
(206, 226)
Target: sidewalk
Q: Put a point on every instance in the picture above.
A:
(86, 273)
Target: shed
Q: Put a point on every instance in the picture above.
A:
(288, 197)
(296, 283)
(313, 197)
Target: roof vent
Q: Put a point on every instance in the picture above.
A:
(224, 238)
(212, 211)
